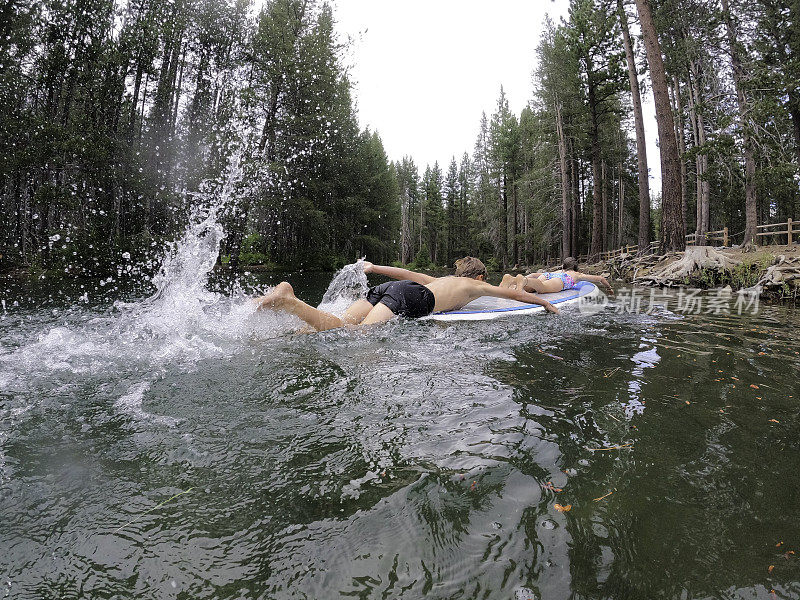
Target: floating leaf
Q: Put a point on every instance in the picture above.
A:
(605, 495)
(774, 421)
(770, 568)
(754, 386)
(564, 508)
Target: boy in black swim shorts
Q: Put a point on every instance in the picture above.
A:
(414, 295)
(404, 298)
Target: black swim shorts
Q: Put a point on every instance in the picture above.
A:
(403, 298)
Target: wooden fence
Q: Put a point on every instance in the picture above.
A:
(787, 232)
(711, 236)
(789, 229)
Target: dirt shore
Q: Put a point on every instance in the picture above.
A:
(774, 271)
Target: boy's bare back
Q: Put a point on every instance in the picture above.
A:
(452, 293)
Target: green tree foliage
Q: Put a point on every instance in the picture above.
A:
(117, 117)
(433, 215)
(562, 178)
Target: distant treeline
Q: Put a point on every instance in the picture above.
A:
(117, 116)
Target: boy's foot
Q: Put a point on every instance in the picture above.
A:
(277, 297)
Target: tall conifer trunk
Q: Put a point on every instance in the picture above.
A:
(673, 233)
(749, 161)
(576, 203)
(621, 208)
(594, 149)
(515, 225)
(794, 112)
(703, 189)
(566, 212)
(641, 147)
(604, 204)
(504, 221)
(679, 136)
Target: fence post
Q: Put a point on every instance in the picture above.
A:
(789, 232)
(724, 236)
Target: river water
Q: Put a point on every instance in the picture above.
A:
(182, 446)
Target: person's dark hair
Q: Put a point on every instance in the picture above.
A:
(570, 264)
(469, 266)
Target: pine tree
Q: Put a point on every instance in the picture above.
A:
(594, 32)
(641, 146)
(672, 233)
(451, 201)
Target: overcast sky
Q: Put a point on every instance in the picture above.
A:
(425, 70)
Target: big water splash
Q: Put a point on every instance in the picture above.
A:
(126, 348)
(182, 323)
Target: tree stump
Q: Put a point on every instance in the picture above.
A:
(694, 259)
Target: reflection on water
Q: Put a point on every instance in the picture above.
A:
(186, 447)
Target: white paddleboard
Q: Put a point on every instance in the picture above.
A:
(489, 307)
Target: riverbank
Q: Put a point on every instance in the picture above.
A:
(772, 271)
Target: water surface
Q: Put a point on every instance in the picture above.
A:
(184, 447)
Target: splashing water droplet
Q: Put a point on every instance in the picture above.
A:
(348, 285)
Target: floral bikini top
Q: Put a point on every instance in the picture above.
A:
(567, 279)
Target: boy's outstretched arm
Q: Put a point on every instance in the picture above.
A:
(519, 295)
(397, 273)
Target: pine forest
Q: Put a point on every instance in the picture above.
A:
(118, 118)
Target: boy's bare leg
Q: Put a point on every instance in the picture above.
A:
(356, 312)
(380, 313)
(282, 298)
(519, 282)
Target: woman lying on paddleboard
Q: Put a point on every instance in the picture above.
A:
(553, 281)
